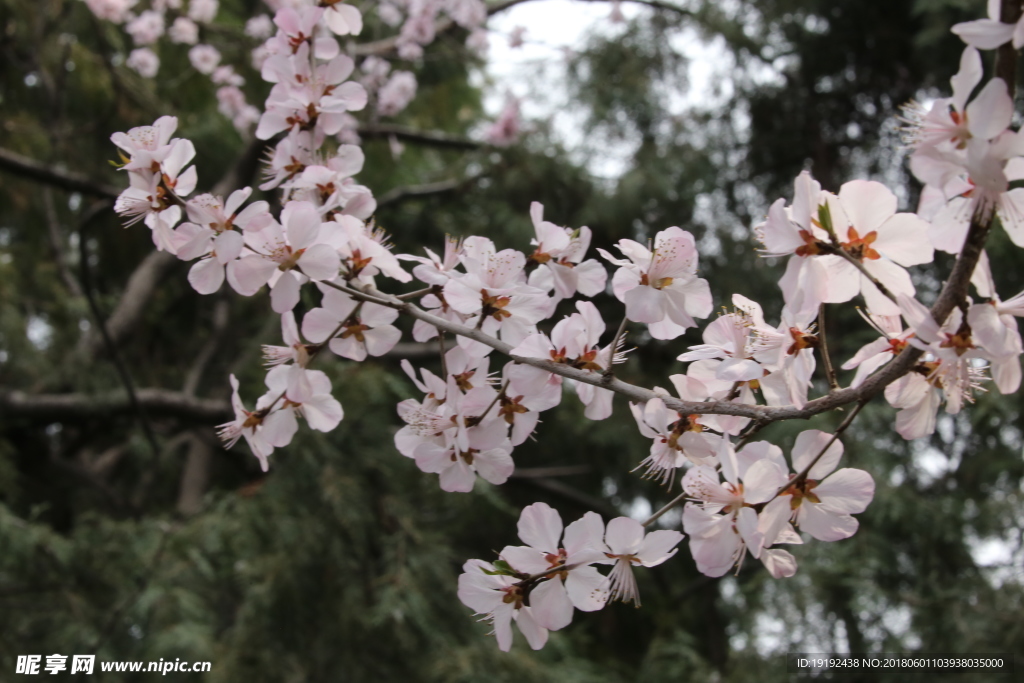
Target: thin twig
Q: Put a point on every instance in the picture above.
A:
(830, 372)
(839, 251)
(675, 501)
(619, 333)
(409, 296)
(115, 356)
(31, 169)
(441, 349)
(802, 475)
(477, 419)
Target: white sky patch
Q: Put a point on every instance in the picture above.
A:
(39, 332)
(535, 72)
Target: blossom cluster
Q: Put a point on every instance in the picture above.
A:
(740, 496)
(164, 25)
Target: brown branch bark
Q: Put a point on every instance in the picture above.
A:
(80, 406)
(25, 167)
(423, 137)
(399, 194)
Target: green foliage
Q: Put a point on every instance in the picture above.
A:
(341, 563)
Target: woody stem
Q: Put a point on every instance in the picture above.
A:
(839, 430)
(608, 373)
(830, 372)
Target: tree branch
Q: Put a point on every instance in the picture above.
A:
(399, 194)
(80, 406)
(424, 137)
(31, 169)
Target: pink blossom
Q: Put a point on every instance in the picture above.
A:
(183, 31)
(204, 58)
(146, 28)
(260, 27)
(573, 582)
(343, 19)
(505, 130)
(203, 11)
(315, 404)
(868, 228)
(502, 600)
(661, 287)
(278, 250)
(263, 429)
(822, 504)
(359, 329)
(397, 93)
(115, 11)
(144, 62)
(628, 545)
(559, 257)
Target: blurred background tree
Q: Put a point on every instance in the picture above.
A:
(126, 531)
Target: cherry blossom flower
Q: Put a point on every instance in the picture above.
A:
(502, 600)
(332, 187)
(291, 156)
(976, 183)
(343, 19)
(434, 269)
(487, 454)
(797, 231)
(277, 250)
(573, 342)
(954, 363)
(727, 339)
(950, 122)
(492, 290)
(990, 33)
(203, 11)
(870, 231)
(875, 354)
(144, 62)
(115, 11)
(147, 145)
(360, 329)
(364, 251)
(677, 439)
(822, 503)
(786, 353)
(183, 31)
(628, 545)
(573, 581)
(559, 256)
(204, 58)
(661, 287)
(263, 429)
(146, 28)
(397, 93)
(304, 98)
(505, 130)
(259, 27)
(317, 406)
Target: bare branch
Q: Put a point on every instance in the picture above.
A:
(399, 194)
(80, 406)
(25, 167)
(830, 371)
(134, 300)
(423, 137)
(56, 239)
